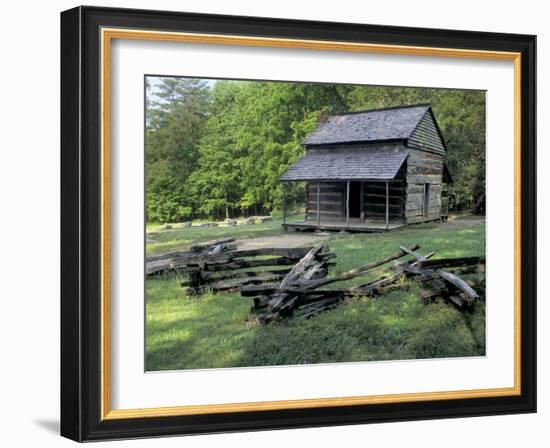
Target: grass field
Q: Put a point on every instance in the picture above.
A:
(182, 238)
(213, 331)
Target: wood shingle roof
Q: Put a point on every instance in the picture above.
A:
(390, 124)
(380, 162)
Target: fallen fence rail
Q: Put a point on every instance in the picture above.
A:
(300, 295)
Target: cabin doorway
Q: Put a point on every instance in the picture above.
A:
(426, 210)
(355, 199)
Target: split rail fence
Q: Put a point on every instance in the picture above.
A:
(218, 265)
(295, 282)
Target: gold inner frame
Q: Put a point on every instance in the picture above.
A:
(107, 35)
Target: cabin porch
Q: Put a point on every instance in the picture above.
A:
(354, 225)
(354, 206)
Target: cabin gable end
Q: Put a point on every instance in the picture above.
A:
(427, 136)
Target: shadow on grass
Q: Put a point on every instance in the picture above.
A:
(394, 327)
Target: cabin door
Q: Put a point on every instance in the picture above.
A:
(355, 199)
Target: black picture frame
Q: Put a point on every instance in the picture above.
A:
(81, 224)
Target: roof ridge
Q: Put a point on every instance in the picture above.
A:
(408, 106)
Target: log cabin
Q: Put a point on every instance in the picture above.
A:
(373, 170)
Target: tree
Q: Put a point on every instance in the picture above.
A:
(175, 124)
(216, 183)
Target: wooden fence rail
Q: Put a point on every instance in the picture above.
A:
(300, 296)
(219, 267)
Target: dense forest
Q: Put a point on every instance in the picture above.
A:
(216, 149)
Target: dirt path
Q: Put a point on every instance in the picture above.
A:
(298, 239)
(283, 241)
(462, 221)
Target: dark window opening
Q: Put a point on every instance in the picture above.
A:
(355, 199)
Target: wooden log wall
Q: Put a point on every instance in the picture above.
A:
(374, 200)
(331, 200)
(423, 168)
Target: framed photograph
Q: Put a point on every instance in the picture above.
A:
(272, 224)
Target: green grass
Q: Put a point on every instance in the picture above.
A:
(212, 331)
(177, 239)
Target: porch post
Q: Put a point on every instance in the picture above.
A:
(284, 203)
(387, 205)
(318, 203)
(306, 200)
(347, 204)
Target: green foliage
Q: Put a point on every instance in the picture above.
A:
(174, 127)
(253, 134)
(217, 151)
